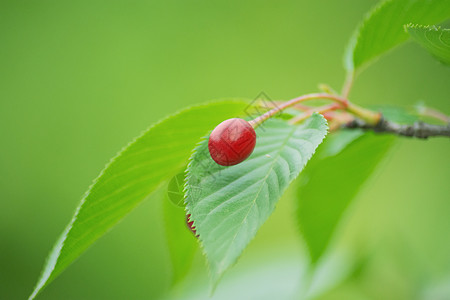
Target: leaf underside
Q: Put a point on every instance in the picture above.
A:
(229, 204)
(435, 39)
(323, 195)
(382, 28)
(130, 177)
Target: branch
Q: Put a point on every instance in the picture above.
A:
(419, 129)
(363, 118)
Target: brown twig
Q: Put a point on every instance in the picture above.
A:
(419, 129)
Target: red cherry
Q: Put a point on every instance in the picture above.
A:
(190, 224)
(231, 142)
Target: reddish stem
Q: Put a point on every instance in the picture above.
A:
(433, 113)
(320, 110)
(275, 104)
(257, 121)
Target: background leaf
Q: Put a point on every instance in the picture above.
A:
(229, 204)
(136, 172)
(180, 240)
(435, 39)
(322, 198)
(175, 189)
(398, 114)
(382, 28)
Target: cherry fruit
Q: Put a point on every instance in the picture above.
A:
(231, 142)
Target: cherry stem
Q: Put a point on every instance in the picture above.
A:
(320, 110)
(259, 120)
(298, 106)
(366, 115)
(433, 113)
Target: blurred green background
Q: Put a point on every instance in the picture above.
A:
(79, 79)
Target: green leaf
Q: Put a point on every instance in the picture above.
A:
(432, 38)
(130, 177)
(180, 240)
(398, 114)
(229, 204)
(382, 28)
(338, 141)
(175, 190)
(330, 182)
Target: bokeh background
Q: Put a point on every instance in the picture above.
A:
(79, 79)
